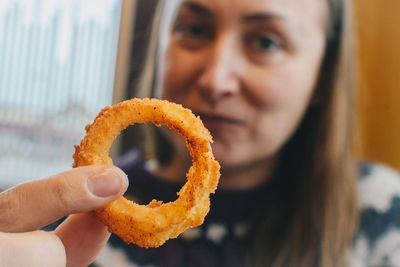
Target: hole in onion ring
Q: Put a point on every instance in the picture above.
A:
(135, 137)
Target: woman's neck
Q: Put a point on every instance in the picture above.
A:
(241, 177)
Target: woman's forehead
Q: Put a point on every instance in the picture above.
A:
(291, 10)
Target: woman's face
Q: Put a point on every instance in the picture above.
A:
(248, 69)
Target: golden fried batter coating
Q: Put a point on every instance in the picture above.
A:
(153, 224)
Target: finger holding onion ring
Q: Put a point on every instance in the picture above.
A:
(151, 225)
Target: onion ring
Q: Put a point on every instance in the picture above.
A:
(151, 225)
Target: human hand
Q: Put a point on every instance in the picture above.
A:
(30, 206)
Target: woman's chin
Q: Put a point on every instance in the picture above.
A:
(240, 160)
(228, 160)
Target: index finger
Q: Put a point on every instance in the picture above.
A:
(32, 205)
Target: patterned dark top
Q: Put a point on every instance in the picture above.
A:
(222, 240)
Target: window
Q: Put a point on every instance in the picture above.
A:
(57, 69)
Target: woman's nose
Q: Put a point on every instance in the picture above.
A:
(220, 76)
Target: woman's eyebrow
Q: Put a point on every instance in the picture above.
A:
(197, 8)
(261, 17)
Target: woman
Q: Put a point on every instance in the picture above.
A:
(264, 79)
(272, 81)
(273, 86)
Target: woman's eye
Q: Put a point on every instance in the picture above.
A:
(192, 30)
(264, 48)
(192, 35)
(265, 44)
(196, 30)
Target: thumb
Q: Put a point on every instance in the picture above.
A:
(33, 205)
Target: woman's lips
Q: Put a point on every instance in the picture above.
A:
(218, 122)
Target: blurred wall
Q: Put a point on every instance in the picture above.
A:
(378, 27)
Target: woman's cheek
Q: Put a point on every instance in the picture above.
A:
(182, 68)
(264, 86)
(277, 87)
(172, 79)
(280, 100)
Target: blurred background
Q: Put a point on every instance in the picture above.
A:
(378, 30)
(62, 61)
(57, 70)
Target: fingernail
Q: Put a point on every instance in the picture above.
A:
(106, 183)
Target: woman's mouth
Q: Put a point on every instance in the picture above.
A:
(219, 122)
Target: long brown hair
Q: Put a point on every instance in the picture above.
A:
(311, 217)
(316, 226)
